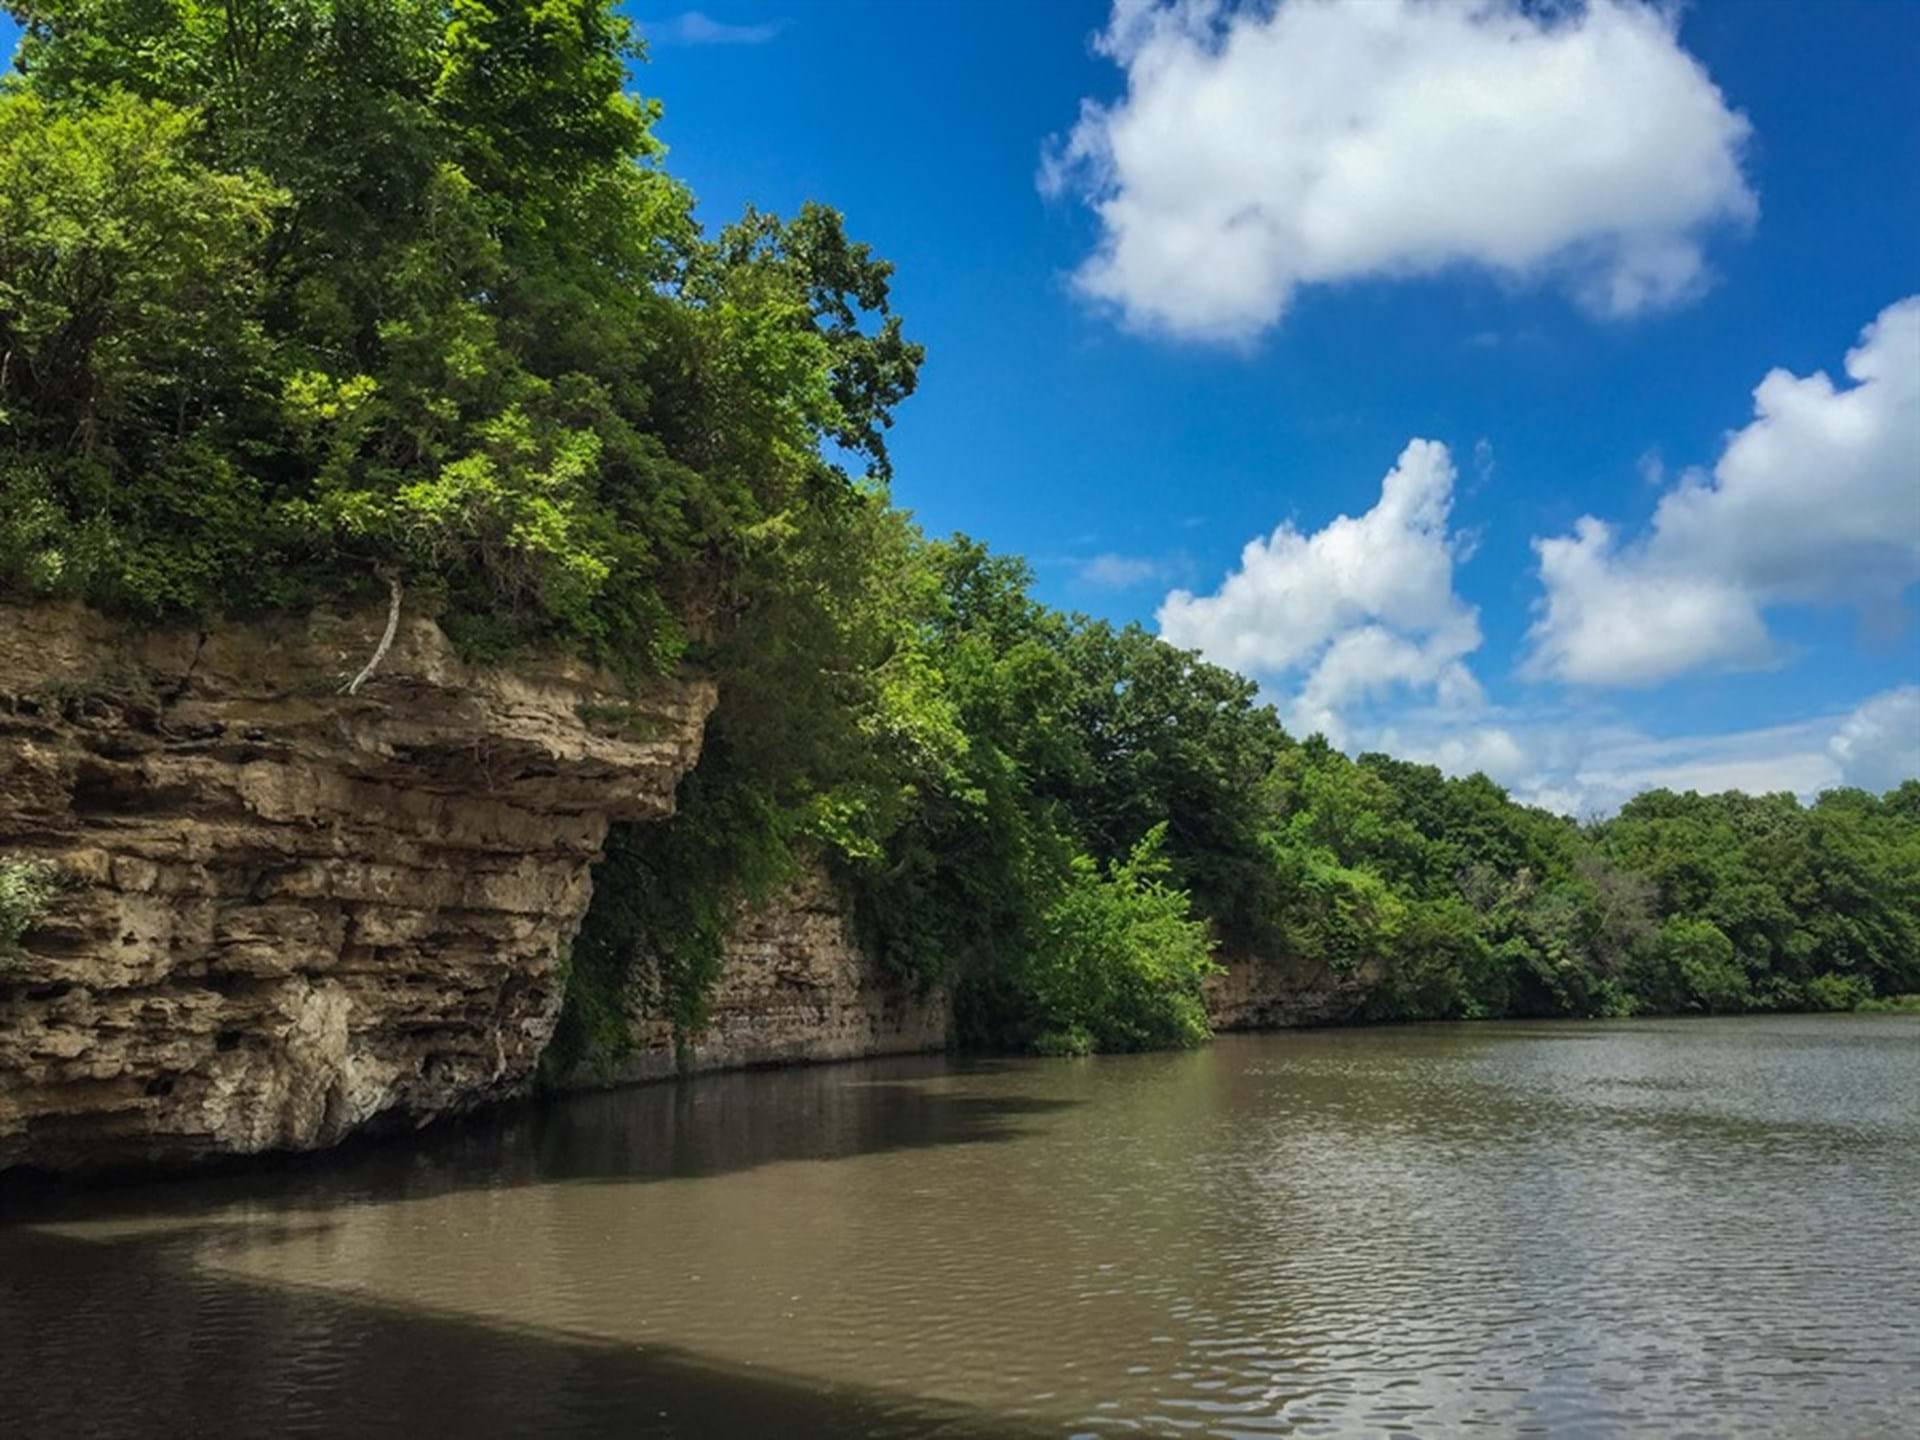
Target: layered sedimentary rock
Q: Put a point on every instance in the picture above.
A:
(795, 986)
(1254, 992)
(288, 912)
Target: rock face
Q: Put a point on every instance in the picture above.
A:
(795, 986)
(1257, 993)
(290, 912)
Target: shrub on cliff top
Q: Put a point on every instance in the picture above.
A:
(294, 293)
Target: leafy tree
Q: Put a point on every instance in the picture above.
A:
(1119, 962)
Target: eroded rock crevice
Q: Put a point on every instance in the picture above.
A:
(795, 987)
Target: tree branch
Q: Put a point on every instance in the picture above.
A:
(352, 687)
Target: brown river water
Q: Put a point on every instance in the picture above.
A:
(1705, 1227)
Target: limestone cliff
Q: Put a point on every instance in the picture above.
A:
(1260, 993)
(290, 912)
(794, 986)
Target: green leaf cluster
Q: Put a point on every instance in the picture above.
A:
(1121, 962)
(27, 890)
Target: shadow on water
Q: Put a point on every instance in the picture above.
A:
(114, 1328)
(125, 1346)
(712, 1125)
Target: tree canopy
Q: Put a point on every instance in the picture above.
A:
(296, 291)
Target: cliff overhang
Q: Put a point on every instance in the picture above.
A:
(286, 912)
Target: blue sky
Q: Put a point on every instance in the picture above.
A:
(1282, 244)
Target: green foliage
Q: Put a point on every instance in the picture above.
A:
(27, 889)
(1700, 962)
(1065, 743)
(1890, 1005)
(1798, 892)
(1463, 904)
(130, 275)
(1436, 965)
(297, 291)
(1120, 960)
(663, 894)
(1839, 992)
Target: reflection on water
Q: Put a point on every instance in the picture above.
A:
(1664, 1227)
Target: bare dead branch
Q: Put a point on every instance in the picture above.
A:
(352, 687)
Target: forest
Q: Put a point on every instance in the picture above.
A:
(358, 302)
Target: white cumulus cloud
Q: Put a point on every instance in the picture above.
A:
(1260, 148)
(1356, 610)
(1878, 746)
(1817, 500)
